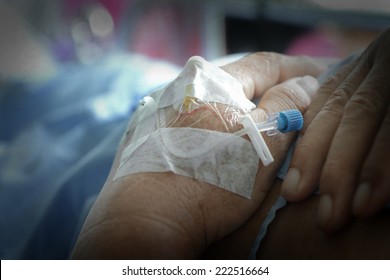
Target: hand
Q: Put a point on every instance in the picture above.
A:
(345, 141)
(163, 215)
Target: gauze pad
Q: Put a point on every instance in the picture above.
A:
(187, 127)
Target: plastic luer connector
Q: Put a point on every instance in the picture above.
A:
(257, 140)
(290, 120)
(285, 121)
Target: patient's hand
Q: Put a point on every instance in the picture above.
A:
(163, 215)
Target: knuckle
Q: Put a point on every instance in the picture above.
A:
(364, 105)
(294, 96)
(344, 90)
(270, 55)
(336, 102)
(266, 63)
(330, 81)
(267, 57)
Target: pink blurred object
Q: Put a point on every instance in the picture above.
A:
(168, 32)
(314, 43)
(115, 8)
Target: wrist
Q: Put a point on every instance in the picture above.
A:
(144, 216)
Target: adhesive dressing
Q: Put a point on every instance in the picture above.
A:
(187, 128)
(194, 127)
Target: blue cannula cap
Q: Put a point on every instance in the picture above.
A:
(290, 120)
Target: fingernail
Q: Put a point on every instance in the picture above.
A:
(361, 197)
(291, 181)
(325, 209)
(309, 84)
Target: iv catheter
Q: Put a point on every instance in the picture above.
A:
(285, 121)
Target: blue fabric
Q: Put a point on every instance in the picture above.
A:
(58, 139)
(280, 203)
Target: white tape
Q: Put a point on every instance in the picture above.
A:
(222, 159)
(209, 83)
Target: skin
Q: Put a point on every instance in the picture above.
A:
(166, 216)
(344, 145)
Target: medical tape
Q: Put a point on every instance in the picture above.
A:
(164, 135)
(219, 158)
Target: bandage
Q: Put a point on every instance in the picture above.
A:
(194, 127)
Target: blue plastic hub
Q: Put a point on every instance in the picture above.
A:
(291, 120)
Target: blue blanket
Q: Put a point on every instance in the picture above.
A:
(58, 139)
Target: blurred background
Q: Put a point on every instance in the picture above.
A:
(173, 30)
(72, 72)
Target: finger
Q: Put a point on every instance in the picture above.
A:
(321, 122)
(362, 117)
(295, 93)
(373, 192)
(260, 71)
